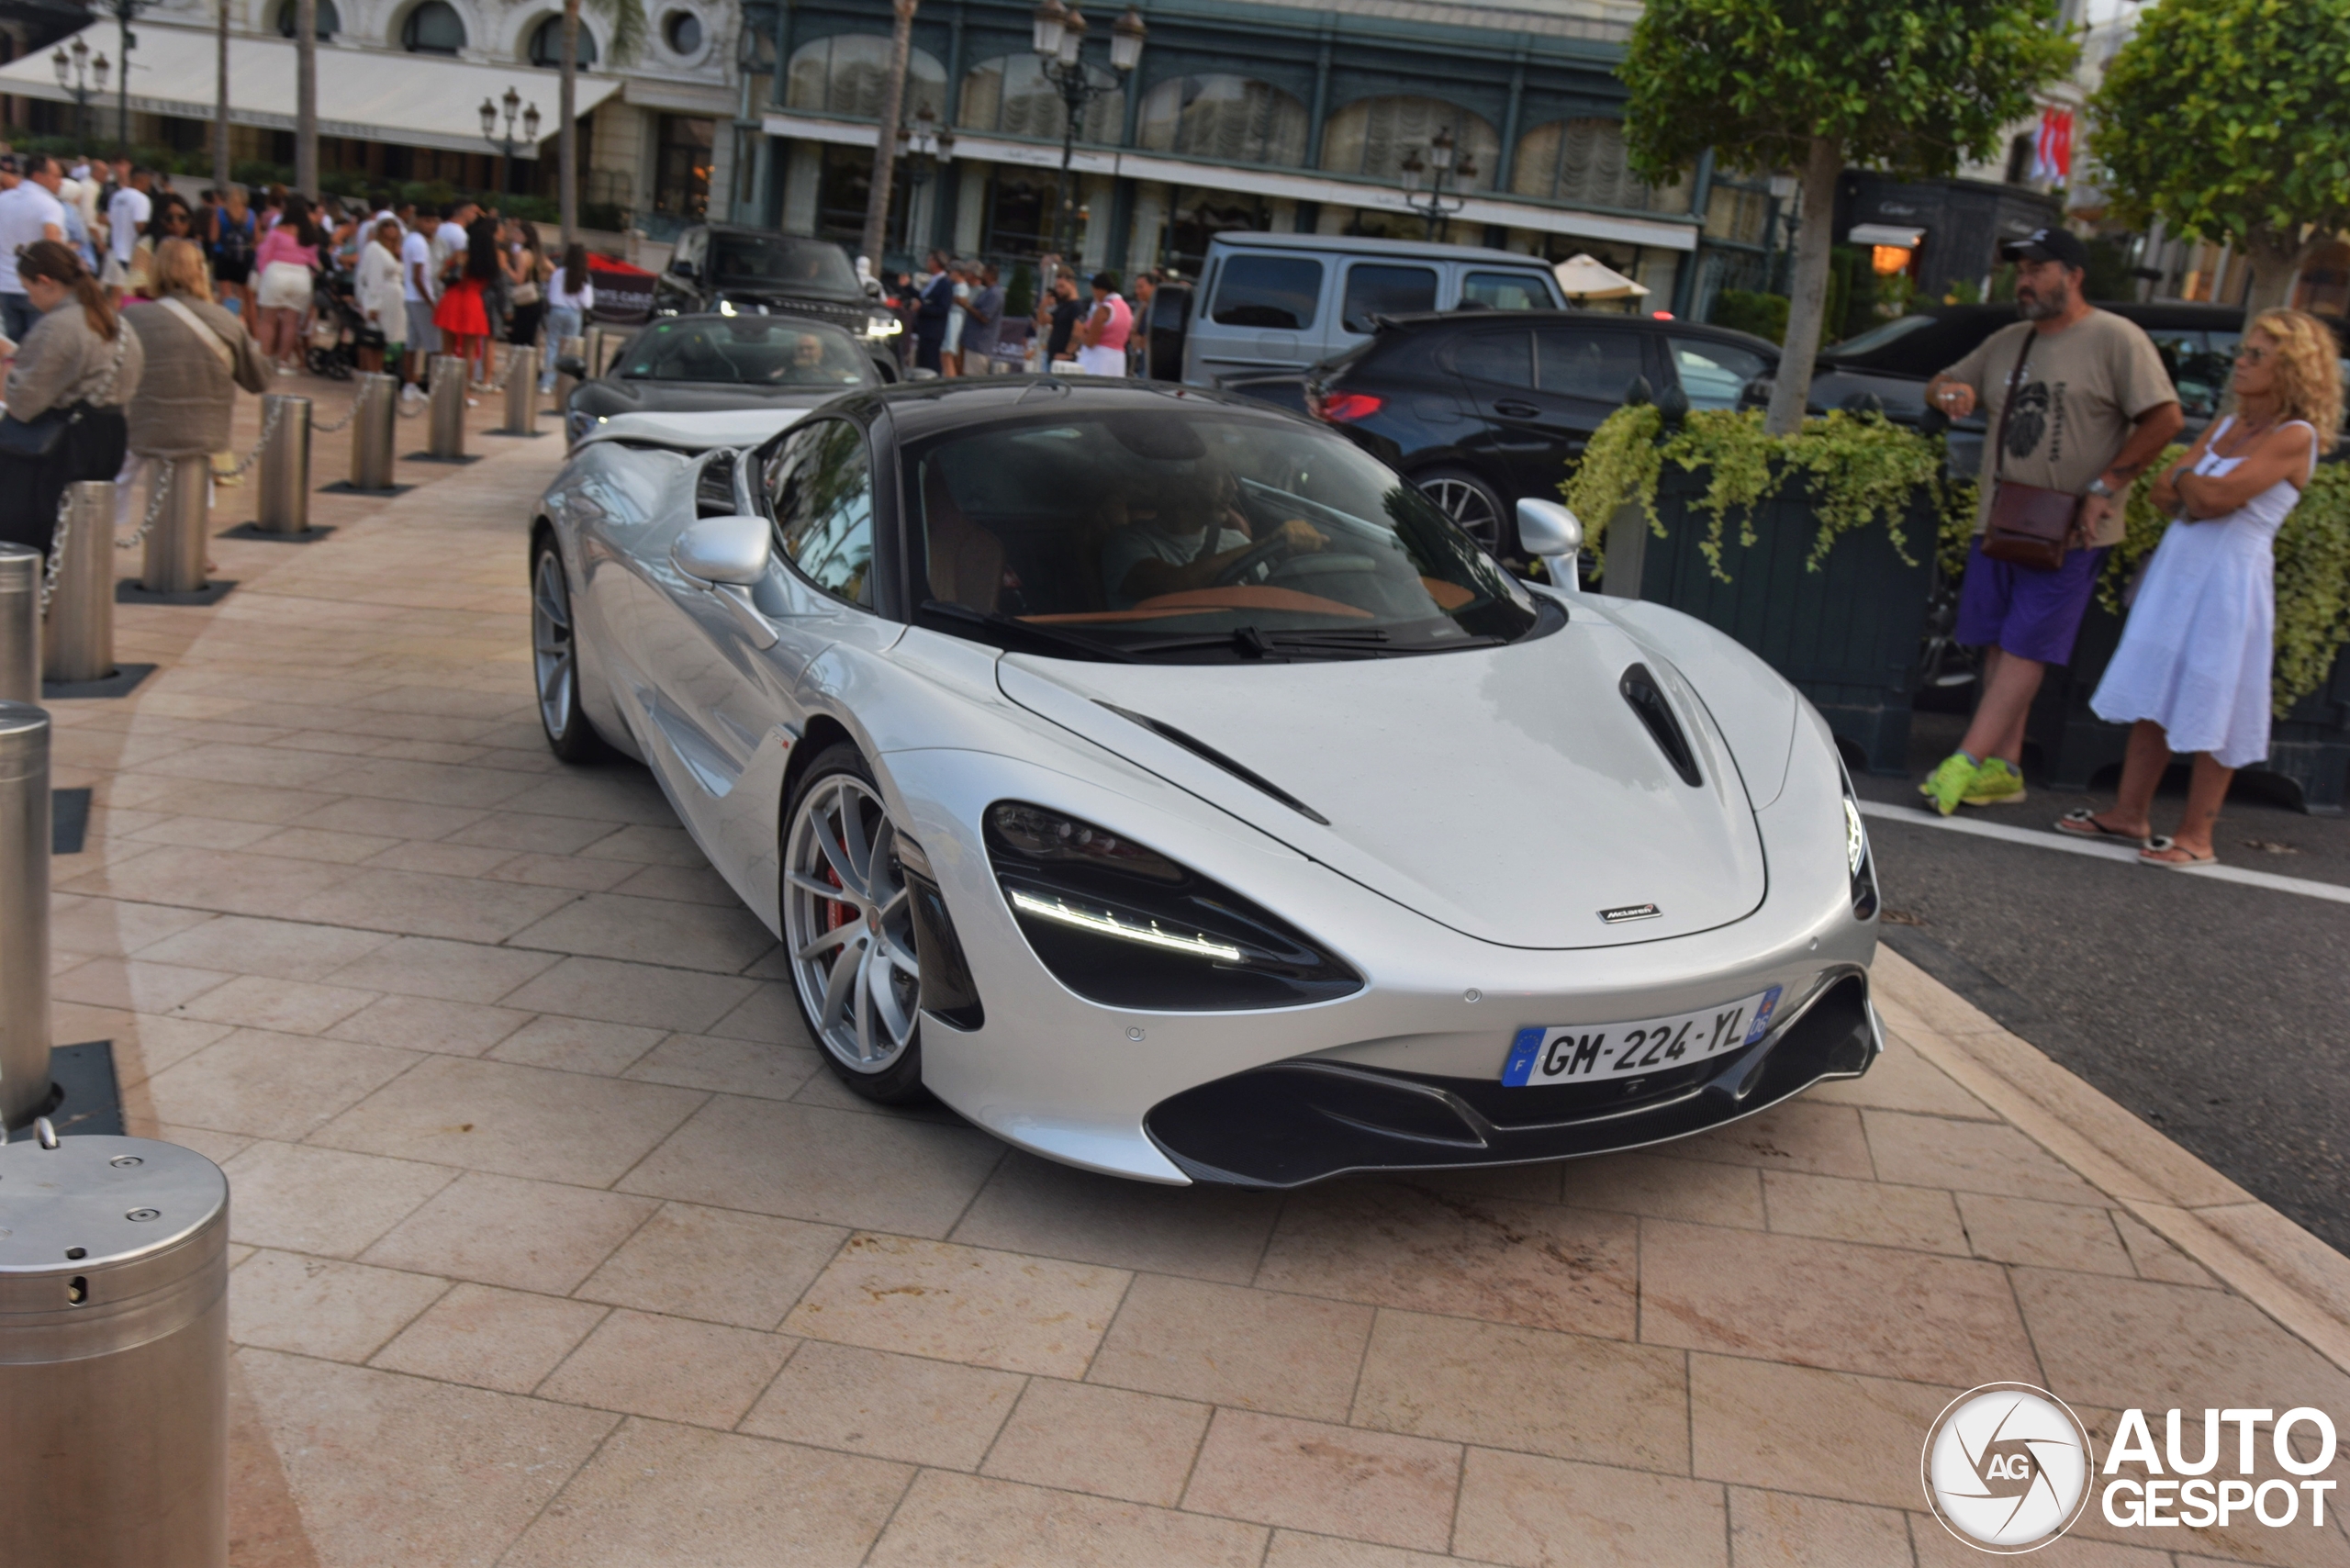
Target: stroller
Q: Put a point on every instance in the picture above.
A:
(337, 328)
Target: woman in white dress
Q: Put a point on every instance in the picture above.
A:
(2191, 674)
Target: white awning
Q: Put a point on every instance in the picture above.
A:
(411, 100)
(1901, 236)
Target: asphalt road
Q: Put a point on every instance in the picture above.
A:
(2218, 1012)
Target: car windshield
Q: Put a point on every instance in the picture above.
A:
(745, 350)
(1194, 534)
(1877, 337)
(791, 266)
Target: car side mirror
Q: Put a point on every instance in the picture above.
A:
(720, 550)
(571, 364)
(682, 266)
(1551, 531)
(873, 288)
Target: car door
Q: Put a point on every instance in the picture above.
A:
(1579, 376)
(1260, 317)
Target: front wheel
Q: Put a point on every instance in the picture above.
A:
(554, 659)
(848, 925)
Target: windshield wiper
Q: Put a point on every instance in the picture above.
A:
(1014, 634)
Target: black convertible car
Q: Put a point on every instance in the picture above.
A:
(694, 364)
(751, 272)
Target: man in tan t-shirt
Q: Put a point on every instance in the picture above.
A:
(2092, 409)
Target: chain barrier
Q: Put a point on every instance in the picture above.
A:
(348, 415)
(154, 506)
(57, 548)
(268, 429)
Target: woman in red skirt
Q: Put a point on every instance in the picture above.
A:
(462, 314)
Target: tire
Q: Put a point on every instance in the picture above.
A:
(849, 930)
(1472, 504)
(555, 660)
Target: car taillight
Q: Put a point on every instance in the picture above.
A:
(1345, 407)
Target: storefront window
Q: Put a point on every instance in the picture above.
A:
(681, 182)
(1011, 96)
(846, 74)
(844, 185)
(1374, 137)
(1019, 213)
(1230, 120)
(1582, 162)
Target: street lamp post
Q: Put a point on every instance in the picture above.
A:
(924, 145)
(506, 144)
(123, 11)
(1439, 171)
(85, 78)
(1059, 38)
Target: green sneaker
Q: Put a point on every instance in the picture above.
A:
(1997, 783)
(1949, 783)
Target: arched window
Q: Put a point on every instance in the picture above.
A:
(1374, 136)
(433, 28)
(329, 22)
(1010, 94)
(1228, 118)
(844, 75)
(546, 45)
(1582, 161)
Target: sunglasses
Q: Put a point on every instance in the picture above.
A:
(2249, 355)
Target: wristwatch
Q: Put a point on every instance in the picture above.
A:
(2098, 487)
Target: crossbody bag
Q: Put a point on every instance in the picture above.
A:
(39, 436)
(2029, 525)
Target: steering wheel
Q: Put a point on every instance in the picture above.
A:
(1264, 554)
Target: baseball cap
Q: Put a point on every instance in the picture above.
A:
(2048, 245)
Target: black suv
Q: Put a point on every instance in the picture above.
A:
(719, 268)
(1480, 407)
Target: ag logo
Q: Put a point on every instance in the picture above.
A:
(2006, 1467)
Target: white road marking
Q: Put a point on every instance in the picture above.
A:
(2101, 849)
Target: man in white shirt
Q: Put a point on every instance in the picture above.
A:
(30, 212)
(449, 240)
(419, 286)
(126, 215)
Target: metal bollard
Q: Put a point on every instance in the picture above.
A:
(373, 425)
(175, 545)
(282, 504)
(24, 917)
(77, 637)
(570, 348)
(20, 572)
(521, 393)
(445, 439)
(114, 1353)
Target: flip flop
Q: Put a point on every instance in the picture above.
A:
(2162, 845)
(2081, 822)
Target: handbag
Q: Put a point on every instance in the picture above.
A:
(526, 292)
(39, 437)
(2029, 525)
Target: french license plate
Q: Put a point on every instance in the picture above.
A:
(1573, 1053)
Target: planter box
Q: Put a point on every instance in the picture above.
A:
(2308, 748)
(1847, 634)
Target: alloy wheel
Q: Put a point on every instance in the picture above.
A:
(1467, 506)
(848, 922)
(552, 650)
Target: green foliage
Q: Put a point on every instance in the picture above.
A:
(1749, 310)
(2225, 117)
(2312, 554)
(1964, 291)
(2109, 275)
(1857, 470)
(605, 215)
(1917, 87)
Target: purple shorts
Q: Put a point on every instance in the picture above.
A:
(2031, 614)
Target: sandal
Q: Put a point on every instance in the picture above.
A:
(2156, 847)
(2081, 822)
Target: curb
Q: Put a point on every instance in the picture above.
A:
(2272, 1262)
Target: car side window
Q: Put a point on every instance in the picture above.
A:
(822, 488)
(1505, 291)
(1714, 374)
(1574, 362)
(2199, 363)
(1280, 292)
(1373, 289)
(1507, 358)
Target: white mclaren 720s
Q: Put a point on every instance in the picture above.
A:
(1157, 779)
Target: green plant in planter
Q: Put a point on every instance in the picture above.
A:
(1857, 468)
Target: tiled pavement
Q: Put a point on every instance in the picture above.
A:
(557, 1245)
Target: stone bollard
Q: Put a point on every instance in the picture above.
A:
(521, 393)
(78, 634)
(445, 438)
(373, 425)
(20, 573)
(175, 545)
(114, 1383)
(567, 382)
(23, 919)
(282, 504)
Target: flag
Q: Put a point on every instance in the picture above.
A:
(2051, 147)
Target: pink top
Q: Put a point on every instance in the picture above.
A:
(280, 245)
(1120, 322)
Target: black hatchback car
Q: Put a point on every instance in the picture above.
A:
(1480, 408)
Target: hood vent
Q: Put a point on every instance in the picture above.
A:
(1639, 689)
(1207, 753)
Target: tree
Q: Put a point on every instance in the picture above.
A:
(1913, 86)
(306, 97)
(626, 19)
(221, 118)
(2224, 118)
(885, 144)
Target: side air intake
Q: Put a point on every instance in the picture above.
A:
(1639, 689)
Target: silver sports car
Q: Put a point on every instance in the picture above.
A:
(1163, 783)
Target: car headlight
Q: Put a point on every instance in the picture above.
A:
(883, 326)
(580, 422)
(1858, 861)
(1122, 925)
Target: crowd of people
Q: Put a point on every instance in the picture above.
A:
(955, 315)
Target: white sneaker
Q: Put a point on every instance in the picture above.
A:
(411, 393)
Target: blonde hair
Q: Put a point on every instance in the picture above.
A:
(2309, 371)
(180, 269)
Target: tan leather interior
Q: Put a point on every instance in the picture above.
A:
(966, 562)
